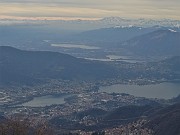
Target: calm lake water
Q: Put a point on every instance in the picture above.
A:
(46, 101)
(75, 46)
(163, 90)
(118, 58)
(129, 59)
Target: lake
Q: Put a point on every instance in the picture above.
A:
(75, 46)
(46, 100)
(160, 91)
(128, 59)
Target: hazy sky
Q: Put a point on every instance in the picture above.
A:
(154, 9)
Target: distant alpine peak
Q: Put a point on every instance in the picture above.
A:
(171, 30)
(128, 26)
(117, 26)
(112, 19)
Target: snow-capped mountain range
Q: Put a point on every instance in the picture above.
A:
(140, 22)
(93, 24)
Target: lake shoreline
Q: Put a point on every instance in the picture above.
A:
(30, 98)
(157, 88)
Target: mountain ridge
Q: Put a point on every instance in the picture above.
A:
(33, 66)
(160, 42)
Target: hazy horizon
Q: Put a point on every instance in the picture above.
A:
(79, 9)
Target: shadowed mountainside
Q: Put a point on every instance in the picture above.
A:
(157, 43)
(28, 67)
(166, 121)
